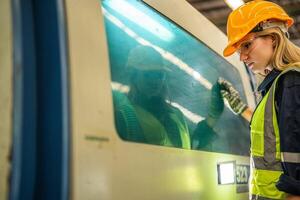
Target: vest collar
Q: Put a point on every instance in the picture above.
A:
(267, 82)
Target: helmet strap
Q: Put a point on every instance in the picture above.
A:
(287, 34)
(275, 24)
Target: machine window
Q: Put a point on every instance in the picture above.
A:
(164, 83)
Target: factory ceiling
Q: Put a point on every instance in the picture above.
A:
(217, 11)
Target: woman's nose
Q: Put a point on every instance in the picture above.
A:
(243, 57)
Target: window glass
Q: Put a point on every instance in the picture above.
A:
(163, 83)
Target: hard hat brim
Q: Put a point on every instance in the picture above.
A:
(229, 50)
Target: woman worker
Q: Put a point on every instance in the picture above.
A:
(257, 31)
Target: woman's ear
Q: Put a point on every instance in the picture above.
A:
(273, 39)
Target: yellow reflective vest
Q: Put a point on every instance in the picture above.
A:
(155, 132)
(142, 126)
(265, 148)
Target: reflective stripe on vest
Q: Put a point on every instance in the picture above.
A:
(265, 148)
(254, 197)
(270, 147)
(260, 163)
(290, 157)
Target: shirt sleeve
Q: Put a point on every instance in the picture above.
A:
(288, 116)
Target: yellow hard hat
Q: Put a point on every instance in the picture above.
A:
(245, 18)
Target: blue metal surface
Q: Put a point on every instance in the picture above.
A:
(40, 153)
(53, 111)
(24, 110)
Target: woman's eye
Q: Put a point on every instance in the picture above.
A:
(247, 45)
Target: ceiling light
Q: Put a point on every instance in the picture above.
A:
(233, 4)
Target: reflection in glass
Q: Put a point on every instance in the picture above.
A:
(175, 85)
(144, 115)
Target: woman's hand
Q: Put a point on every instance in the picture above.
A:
(232, 96)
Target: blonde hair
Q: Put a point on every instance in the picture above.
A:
(286, 54)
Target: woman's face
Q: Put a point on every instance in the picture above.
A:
(256, 52)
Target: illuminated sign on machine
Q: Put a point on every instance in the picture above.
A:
(226, 173)
(230, 173)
